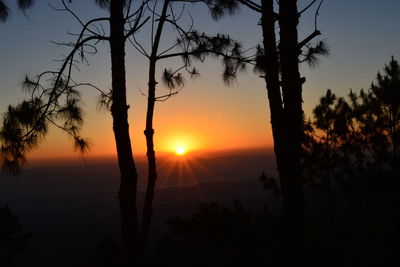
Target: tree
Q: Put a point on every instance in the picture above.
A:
(25, 125)
(13, 238)
(173, 81)
(378, 116)
(191, 46)
(358, 134)
(119, 112)
(350, 147)
(278, 62)
(57, 103)
(330, 158)
(5, 10)
(332, 151)
(218, 235)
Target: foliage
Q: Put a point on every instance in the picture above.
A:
(354, 138)
(26, 124)
(311, 57)
(308, 53)
(350, 153)
(378, 116)
(22, 5)
(220, 8)
(216, 235)
(108, 253)
(230, 51)
(53, 98)
(330, 143)
(271, 184)
(13, 239)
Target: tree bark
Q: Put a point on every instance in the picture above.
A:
(119, 111)
(272, 76)
(151, 159)
(286, 115)
(149, 132)
(290, 168)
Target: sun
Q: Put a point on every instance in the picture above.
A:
(180, 150)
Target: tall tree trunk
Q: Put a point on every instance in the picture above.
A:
(119, 111)
(286, 117)
(286, 127)
(151, 158)
(149, 132)
(290, 170)
(272, 76)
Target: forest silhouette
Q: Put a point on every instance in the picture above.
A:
(337, 168)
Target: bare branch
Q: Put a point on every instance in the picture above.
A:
(136, 28)
(307, 7)
(251, 5)
(138, 24)
(167, 96)
(84, 25)
(317, 14)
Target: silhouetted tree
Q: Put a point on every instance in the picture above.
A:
(336, 153)
(108, 253)
(25, 125)
(378, 116)
(350, 147)
(13, 239)
(191, 46)
(327, 145)
(173, 81)
(355, 136)
(216, 235)
(278, 61)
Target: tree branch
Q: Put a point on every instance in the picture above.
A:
(307, 7)
(251, 5)
(314, 34)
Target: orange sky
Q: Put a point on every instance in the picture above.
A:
(202, 116)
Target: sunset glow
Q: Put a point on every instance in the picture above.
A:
(180, 143)
(180, 151)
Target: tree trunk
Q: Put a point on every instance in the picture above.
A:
(286, 119)
(149, 132)
(119, 111)
(286, 116)
(290, 168)
(151, 159)
(272, 76)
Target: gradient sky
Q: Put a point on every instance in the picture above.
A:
(206, 114)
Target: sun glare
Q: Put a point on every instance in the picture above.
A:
(180, 150)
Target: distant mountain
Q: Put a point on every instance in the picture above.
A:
(70, 206)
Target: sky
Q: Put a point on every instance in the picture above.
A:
(206, 115)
